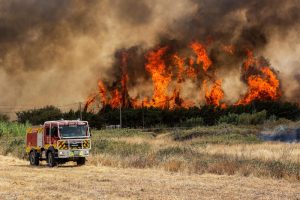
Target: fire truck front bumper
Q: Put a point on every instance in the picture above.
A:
(73, 153)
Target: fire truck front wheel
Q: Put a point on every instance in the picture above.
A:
(81, 161)
(52, 162)
(34, 158)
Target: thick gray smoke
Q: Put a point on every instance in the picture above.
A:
(53, 52)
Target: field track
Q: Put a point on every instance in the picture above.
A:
(20, 181)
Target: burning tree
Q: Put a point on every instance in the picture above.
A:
(261, 80)
(168, 70)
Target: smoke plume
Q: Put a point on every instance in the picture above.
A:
(53, 52)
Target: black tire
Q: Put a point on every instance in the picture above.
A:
(81, 161)
(34, 158)
(52, 162)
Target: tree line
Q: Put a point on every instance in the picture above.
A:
(152, 117)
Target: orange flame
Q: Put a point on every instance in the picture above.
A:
(250, 60)
(202, 56)
(179, 62)
(115, 100)
(160, 76)
(262, 82)
(102, 93)
(264, 87)
(190, 71)
(91, 98)
(124, 96)
(215, 95)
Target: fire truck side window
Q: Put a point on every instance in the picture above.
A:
(54, 131)
(47, 131)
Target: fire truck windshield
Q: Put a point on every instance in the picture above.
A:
(73, 130)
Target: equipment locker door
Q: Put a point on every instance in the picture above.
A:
(40, 139)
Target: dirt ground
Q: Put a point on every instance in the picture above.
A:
(18, 180)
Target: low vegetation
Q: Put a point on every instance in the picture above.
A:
(245, 118)
(12, 129)
(222, 131)
(221, 149)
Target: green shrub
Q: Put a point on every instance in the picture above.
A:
(13, 128)
(244, 118)
(231, 118)
(39, 116)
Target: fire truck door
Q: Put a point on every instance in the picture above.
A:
(47, 134)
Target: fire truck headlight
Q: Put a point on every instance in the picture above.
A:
(61, 153)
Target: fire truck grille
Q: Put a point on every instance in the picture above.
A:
(64, 144)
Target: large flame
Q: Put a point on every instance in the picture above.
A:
(90, 99)
(215, 95)
(262, 87)
(115, 100)
(202, 56)
(263, 84)
(160, 76)
(166, 76)
(251, 61)
(180, 63)
(102, 93)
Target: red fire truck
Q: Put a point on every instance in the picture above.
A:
(59, 142)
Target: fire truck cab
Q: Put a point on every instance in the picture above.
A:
(59, 142)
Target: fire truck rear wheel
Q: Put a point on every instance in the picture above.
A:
(52, 162)
(34, 158)
(81, 161)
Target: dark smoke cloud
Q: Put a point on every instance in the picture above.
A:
(252, 21)
(64, 46)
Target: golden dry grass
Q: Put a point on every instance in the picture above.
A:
(220, 154)
(128, 164)
(225, 154)
(266, 151)
(18, 180)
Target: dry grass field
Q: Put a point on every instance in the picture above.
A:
(218, 162)
(211, 150)
(18, 180)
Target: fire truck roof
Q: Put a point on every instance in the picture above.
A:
(67, 122)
